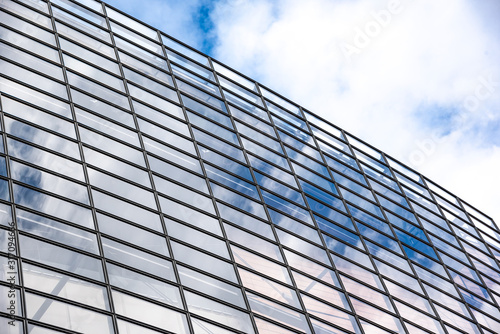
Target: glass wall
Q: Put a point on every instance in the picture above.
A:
(147, 188)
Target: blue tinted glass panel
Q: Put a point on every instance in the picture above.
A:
(232, 182)
(411, 241)
(286, 206)
(370, 220)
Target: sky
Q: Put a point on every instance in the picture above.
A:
(419, 80)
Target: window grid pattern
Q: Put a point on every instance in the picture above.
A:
(154, 189)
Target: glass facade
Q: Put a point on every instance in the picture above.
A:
(147, 188)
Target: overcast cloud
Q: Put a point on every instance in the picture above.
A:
(420, 80)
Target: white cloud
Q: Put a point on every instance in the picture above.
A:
(407, 85)
(413, 84)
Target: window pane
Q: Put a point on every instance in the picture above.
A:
(65, 286)
(67, 316)
(204, 262)
(137, 259)
(57, 231)
(61, 258)
(211, 286)
(149, 313)
(144, 285)
(218, 312)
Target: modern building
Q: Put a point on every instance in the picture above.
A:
(147, 188)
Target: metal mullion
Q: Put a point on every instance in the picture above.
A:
(438, 196)
(51, 194)
(17, 255)
(370, 256)
(159, 157)
(252, 233)
(104, 260)
(250, 114)
(289, 146)
(268, 219)
(466, 254)
(141, 272)
(105, 134)
(320, 140)
(299, 140)
(90, 9)
(228, 242)
(121, 159)
(147, 299)
(210, 194)
(120, 178)
(295, 176)
(272, 114)
(433, 248)
(217, 137)
(199, 229)
(274, 178)
(418, 325)
(273, 192)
